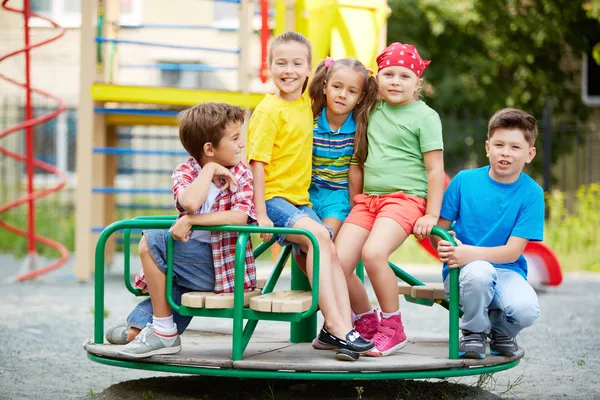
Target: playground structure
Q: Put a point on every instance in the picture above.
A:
(344, 28)
(31, 271)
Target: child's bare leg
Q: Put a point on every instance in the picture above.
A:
(385, 237)
(349, 242)
(156, 281)
(335, 225)
(338, 322)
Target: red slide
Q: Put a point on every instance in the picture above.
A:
(543, 265)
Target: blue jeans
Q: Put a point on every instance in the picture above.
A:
(284, 214)
(193, 271)
(497, 299)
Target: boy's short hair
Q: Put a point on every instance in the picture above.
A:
(206, 123)
(514, 118)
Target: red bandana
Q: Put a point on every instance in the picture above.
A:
(404, 55)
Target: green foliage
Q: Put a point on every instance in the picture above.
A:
(575, 236)
(490, 54)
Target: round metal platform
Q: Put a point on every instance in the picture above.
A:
(268, 356)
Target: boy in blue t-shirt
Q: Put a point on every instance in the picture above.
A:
(497, 210)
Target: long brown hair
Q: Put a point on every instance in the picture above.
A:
(363, 107)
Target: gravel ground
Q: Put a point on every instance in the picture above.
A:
(44, 323)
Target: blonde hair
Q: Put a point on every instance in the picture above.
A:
(363, 108)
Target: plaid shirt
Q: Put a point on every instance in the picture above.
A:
(237, 198)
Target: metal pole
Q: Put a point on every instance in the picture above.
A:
(29, 144)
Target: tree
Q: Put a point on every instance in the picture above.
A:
(489, 54)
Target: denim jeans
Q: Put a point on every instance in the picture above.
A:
(193, 270)
(495, 298)
(284, 215)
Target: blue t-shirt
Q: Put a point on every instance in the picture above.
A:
(488, 212)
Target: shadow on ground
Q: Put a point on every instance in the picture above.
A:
(212, 388)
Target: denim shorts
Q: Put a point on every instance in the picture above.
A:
(330, 203)
(284, 215)
(193, 270)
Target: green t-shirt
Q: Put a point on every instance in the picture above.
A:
(397, 138)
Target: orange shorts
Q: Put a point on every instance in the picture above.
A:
(402, 208)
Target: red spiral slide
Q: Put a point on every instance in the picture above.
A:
(28, 158)
(543, 264)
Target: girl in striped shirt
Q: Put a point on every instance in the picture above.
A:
(342, 93)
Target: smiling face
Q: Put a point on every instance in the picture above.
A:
(508, 152)
(229, 150)
(290, 67)
(397, 85)
(343, 90)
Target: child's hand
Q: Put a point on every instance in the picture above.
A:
(424, 225)
(222, 177)
(462, 255)
(264, 220)
(182, 229)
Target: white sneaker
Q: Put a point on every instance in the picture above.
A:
(149, 343)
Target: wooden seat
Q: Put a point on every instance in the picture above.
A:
(283, 301)
(220, 300)
(432, 290)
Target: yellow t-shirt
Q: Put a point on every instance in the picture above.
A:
(280, 135)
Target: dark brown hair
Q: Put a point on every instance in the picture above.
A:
(363, 108)
(514, 118)
(292, 37)
(206, 123)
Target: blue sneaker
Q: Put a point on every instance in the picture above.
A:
(472, 345)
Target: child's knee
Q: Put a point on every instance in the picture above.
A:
(523, 315)
(322, 235)
(478, 273)
(143, 249)
(372, 256)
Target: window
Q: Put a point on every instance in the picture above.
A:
(190, 76)
(67, 13)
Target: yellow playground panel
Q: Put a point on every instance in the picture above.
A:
(336, 28)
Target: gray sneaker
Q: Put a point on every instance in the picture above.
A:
(117, 334)
(503, 345)
(149, 343)
(472, 345)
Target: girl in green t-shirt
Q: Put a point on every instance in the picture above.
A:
(403, 188)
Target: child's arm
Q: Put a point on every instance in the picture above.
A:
(258, 170)
(193, 197)
(355, 182)
(434, 164)
(464, 254)
(182, 228)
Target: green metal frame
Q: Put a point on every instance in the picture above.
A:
(303, 325)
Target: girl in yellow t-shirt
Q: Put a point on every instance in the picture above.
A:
(280, 152)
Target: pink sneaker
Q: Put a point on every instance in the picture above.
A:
(367, 325)
(391, 337)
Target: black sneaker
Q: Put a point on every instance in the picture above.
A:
(354, 342)
(472, 345)
(503, 345)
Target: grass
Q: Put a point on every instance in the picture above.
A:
(575, 236)
(572, 229)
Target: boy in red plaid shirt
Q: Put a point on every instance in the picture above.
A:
(213, 187)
